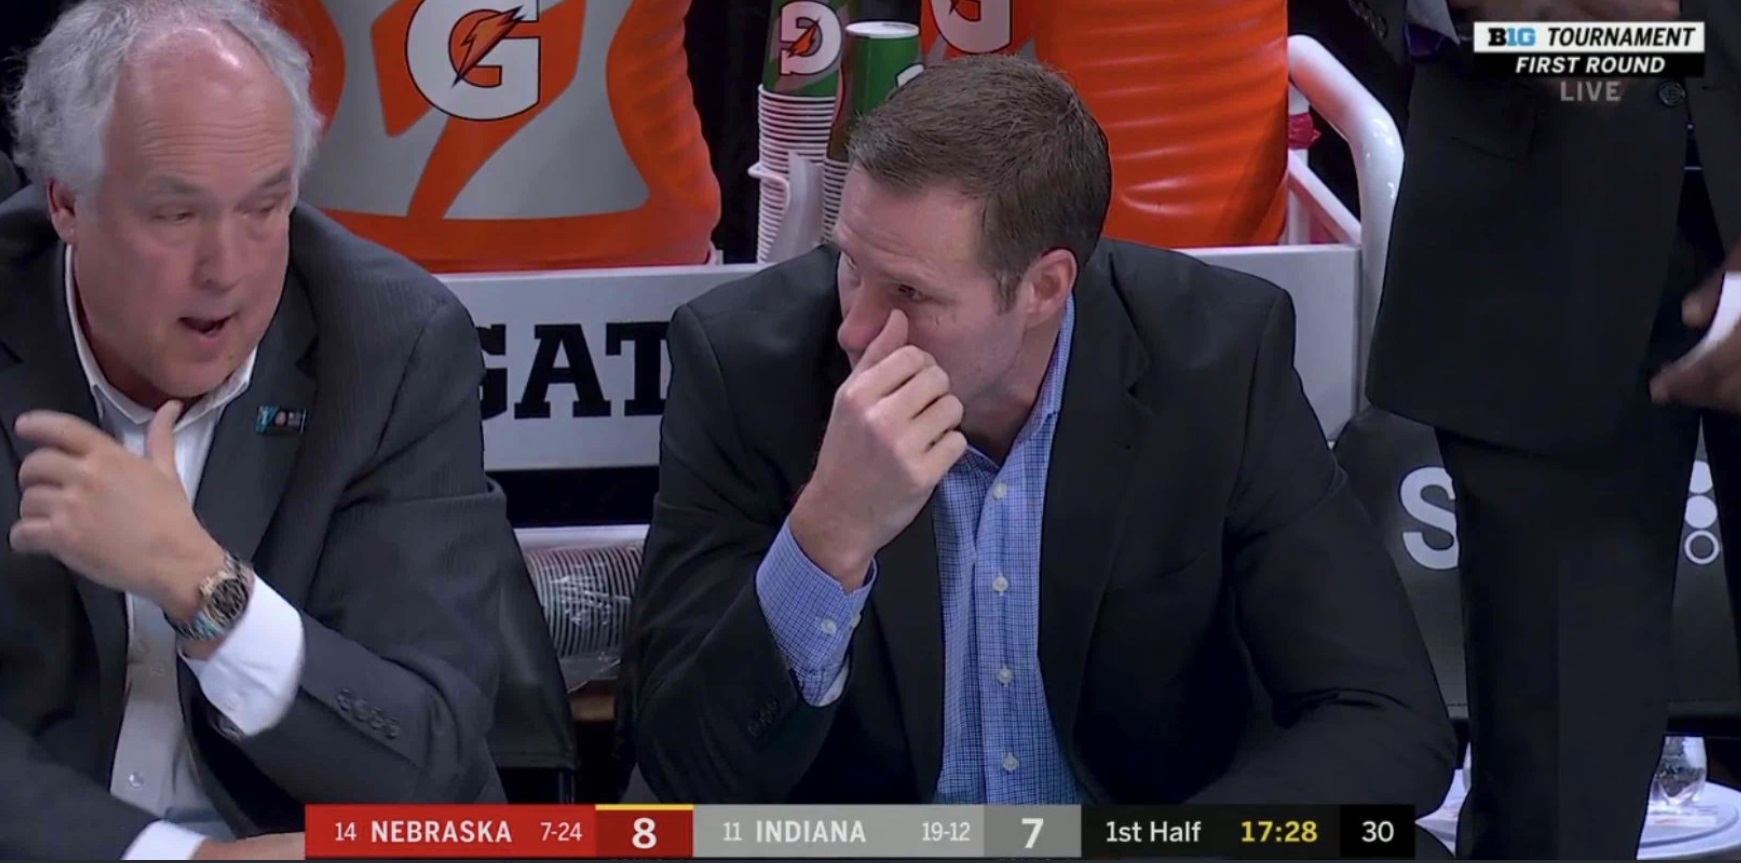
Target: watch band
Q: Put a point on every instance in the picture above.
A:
(223, 597)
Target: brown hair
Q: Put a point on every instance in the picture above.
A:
(1008, 132)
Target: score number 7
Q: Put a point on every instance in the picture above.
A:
(1034, 834)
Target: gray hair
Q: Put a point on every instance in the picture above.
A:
(61, 110)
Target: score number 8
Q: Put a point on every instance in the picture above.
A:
(644, 838)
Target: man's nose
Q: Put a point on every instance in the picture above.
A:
(865, 316)
(223, 254)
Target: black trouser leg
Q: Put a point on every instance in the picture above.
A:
(1568, 565)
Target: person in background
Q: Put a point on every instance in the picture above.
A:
(248, 526)
(974, 506)
(1539, 293)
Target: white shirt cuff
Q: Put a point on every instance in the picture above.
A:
(252, 677)
(161, 840)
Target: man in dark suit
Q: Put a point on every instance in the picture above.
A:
(179, 678)
(979, 508)
(1541, 276)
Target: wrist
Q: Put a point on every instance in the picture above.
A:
(182, 595)
(828, 543)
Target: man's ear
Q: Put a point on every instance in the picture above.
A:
(1052, 278)
(62, 211)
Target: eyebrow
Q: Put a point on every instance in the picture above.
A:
(911, 279)
(279, 179)
(182, 188)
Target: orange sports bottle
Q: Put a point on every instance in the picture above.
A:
(487, 135)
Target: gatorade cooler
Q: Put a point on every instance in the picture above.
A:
(479, 135)
(1194, 100)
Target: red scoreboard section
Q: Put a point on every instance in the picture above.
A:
(500, 832)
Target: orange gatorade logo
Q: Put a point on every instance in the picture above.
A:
(446, 45)
(472, 41)
(497, 65)
(975, 26)
(810, 38)
(431, 119)
(480, 135)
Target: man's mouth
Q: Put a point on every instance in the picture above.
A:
(207, 326)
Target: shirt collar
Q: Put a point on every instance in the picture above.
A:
(136, 413)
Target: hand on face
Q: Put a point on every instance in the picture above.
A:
(115, 518)
(892, 436)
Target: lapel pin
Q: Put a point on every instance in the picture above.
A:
(274, 420)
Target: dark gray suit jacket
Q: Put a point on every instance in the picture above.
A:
(377, 522)
(1532, 236)
(1196, 529)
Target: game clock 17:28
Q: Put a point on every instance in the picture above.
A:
(1290, 832)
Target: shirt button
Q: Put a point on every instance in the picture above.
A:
(232, 702)
(1004, 675)
(135, 780)
(998, 491)
(1000, 584)
(1010, 763)
(853, 622)
(829, 627)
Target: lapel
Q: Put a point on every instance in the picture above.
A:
(35, 327)
(909, 612)
(246, 470)
(1096, 449)
(244, 479)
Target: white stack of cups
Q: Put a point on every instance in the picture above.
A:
(792, 126)
(795, 111)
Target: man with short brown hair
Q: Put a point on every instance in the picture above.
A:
(976, 507)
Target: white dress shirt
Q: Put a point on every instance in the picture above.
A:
(251, 678)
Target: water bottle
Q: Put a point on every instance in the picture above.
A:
(1680, 775)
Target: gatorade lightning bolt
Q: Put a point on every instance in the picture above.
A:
(956, 28)
(805, 40)
(475, 135)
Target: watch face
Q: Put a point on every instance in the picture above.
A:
(229, 597)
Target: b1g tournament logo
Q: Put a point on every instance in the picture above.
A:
(975, 26)
(1426, 496)
(1585, 49)
(810, 36)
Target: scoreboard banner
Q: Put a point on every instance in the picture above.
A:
(685, 832)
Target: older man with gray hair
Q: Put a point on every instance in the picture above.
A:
(249, 529)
